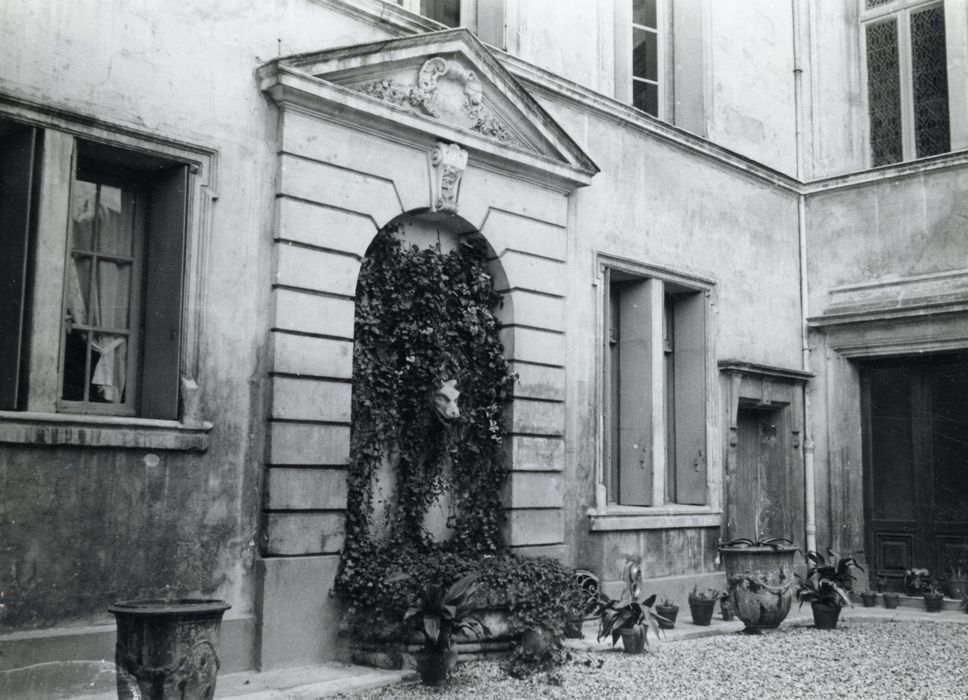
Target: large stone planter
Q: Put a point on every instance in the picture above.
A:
(166, 649)
(761, 583)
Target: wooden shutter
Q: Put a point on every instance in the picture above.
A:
(164, 280)
(690, 398)
(637, 384)
(17, 160)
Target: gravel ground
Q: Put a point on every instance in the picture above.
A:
(861, 659)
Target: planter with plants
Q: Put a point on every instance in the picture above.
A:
(667, 611)
(630, 620)
(760, 578)
(916, 581)
(933, 597)
(702, 604)
(438, 614)
(869, 598)
(826, 586)
(955, 584)
(726, 608)
(891, 599)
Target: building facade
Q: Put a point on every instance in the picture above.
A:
(729, 237)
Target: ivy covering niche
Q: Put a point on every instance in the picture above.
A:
(424, 317)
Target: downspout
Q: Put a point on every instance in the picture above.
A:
(810, 496)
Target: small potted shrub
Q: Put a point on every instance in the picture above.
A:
(955, 584)
(630, 620)
(667, 611)
(438, 615)
(916, 581)
(933, 597)
(826, 586)
(726, 608)
(702, 604)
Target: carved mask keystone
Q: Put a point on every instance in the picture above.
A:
(447, 164)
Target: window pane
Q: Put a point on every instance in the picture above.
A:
(930, 82)
(79, 288)
(643, 12)
(645, 96)
(83, 206)
(444, 11)
(877, 3)
(645, 54)
(115, 214)
(884, 92)
(75, 365)
(111, 298)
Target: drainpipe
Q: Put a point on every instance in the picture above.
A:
(810, 496)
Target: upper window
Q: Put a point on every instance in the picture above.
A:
(483, 17)
(116, 262)
(655, 390)
(645, 56)
(907, 79)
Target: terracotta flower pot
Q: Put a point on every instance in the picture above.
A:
(955, 587)
(933, 602)
(761, 583)
(825, 616)
(669, 612)
(435, 665)
(702, 611)
(633, 639)
(726, 610)
(869, 598)
(891, 600)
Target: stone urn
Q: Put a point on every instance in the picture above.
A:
(760, 581)
(167, 649)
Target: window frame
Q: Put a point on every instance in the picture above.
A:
(606, 516)
(40, 419)
(624, 78)
(900, 11)
(485, 18)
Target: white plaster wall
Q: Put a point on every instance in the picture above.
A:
(750, 93)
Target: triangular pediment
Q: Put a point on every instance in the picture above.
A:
(445, 83)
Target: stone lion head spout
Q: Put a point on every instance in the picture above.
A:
(445, 400)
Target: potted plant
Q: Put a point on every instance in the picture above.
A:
(869, 598)
(955, 584)
(891, 599)
(438, 615)
(760, 579)
(702, 604)
(726, 608)
(933, 597)
(916, 580)
(826, 586)
(630, 620)
(667, 611)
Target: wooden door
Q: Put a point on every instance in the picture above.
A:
(758, 489)
(916, 463)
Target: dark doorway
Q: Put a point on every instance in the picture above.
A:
(915, 413)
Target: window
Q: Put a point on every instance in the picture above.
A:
(645, 56)
(907, 79)
(483, 17)
(102, 230)
(655, 390)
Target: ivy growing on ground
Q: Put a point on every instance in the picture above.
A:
(423, 317)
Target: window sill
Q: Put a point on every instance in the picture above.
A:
(667, 517)
(23, 428)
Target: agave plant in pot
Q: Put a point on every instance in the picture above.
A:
(630, 620)
(826, 586)
(438, 615)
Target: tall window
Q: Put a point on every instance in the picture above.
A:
(116, 260)
(655, 398)
(645, 56)
(446, 12)
(907, 79)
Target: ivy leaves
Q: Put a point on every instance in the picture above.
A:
(423, 317)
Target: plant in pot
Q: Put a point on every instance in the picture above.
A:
(726, 608)
(826, 586)
(916, 580)
(702, 604)
(869, 598)
(667, 612)
(760, 577)
(955, 584)
(630, 620)
(933, 597)
(438, 615)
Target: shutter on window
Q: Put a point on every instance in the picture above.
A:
(17, 160)
(163, 294)
(690, 364)
(635, 393)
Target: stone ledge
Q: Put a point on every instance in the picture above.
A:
(39, 429)
(654, 518)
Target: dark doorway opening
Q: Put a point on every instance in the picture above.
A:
(915, 425)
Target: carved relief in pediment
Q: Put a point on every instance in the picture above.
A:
(448, 91)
